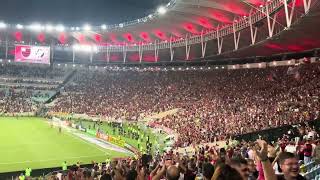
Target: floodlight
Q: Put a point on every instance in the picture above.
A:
(49, 27)
(87, 27)
(19, 26)
(162, 10)
(2, 25)
(60, 28)
(35, 27)
(103, 26)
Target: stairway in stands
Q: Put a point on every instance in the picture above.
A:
(43, 109)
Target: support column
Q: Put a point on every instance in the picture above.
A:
(269, 19)
(220, 41)
(91, 56)
(171, 50)
(289, 15)
(156, 51)
(108, 54)
(140, 52)
(73, 55)
(253, 30)
(236, 37)
(7, 46)
(306, 5)
(52, 52)
(187, 47)
(124, 51)
(203, 45)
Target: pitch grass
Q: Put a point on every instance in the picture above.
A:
(31, 142)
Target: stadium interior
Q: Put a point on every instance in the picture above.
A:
(194, 89)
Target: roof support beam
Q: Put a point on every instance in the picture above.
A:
(140, 52)
(171, 49)
(124, 52)
(203, 45)
(156, 51)
(187, 47)
(108, 54)
(306, 5)
(269, 19)
(73, 55)
(220, 41)
(236, 37)
(289, 15)
(253, 30)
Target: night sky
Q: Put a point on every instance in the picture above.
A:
(76, 12)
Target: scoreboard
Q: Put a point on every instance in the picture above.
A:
(32, 54)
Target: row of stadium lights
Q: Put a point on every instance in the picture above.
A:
(60, 28)
(150, 68)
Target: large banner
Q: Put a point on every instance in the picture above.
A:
(32, 54)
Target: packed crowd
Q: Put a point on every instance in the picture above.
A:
(12, 101)
(26, 71)
(288, 159)
(21, 100)
(212, 104)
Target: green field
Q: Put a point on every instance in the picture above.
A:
(31, 142)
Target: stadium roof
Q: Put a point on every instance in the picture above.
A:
(223, 28)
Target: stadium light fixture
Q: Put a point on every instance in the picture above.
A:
(19, 26)
(49, 27)
(77, 28)
(87, 27)
(95, 48)
(35, 27)
(162, 10)
(85, 48)
(3, 25)
(103, 26)
(60, 28)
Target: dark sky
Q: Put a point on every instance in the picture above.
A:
(76, 12)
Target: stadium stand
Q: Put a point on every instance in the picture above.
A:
(216, 104)
(203, 107)
(191, 91)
